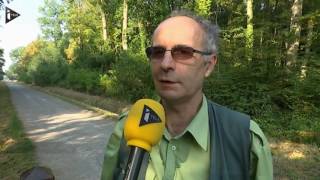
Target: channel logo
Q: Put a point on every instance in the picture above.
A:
(9, 13)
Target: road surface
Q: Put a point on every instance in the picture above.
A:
(68, 139)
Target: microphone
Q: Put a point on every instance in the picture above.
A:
(143, 128)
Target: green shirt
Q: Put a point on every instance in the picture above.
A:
(187, 156)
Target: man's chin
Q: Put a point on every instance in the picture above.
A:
(169, 95)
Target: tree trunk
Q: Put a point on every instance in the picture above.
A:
(142, 35)
(249, 30)
(125, 25)
(295, 30)
(170, 5)
(303, 70)
(309, 35)
(80, 40)
(104, 23)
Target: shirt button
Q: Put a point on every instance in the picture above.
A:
(174, 148)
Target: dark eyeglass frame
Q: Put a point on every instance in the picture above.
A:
(178, 52)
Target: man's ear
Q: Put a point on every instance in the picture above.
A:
(210, 65)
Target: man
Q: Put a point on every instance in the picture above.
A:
(202, 140)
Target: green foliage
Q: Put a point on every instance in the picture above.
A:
(16, 131)
(83, 80)
(235, 89)
(20, 73)
(97, 61)
(203, 7)
(107, 83)
(16, 54)
(52, 20)
(48, 67)
(131, 74)
(83, 27)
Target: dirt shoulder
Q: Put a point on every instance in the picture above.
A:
(17, 152)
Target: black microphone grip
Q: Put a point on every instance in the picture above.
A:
(134, 163)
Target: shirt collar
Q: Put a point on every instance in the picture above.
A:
(199, 126)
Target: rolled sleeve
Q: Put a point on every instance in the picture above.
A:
(261, 158)
(112, 150)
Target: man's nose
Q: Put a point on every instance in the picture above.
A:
(168, 62)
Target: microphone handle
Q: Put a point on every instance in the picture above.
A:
(134, 163)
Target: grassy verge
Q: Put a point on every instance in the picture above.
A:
(110, 107)
(16, 150)
(293, 160)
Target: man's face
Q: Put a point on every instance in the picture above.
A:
(179, 79)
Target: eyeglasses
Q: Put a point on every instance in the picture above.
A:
(178, 52)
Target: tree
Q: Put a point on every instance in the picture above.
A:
(104, 24)
(2, 60)
(295, 30)
(52, 20)
(47, 67)
(249, 30)
(125, 25)
(16, 54)
(83, 26)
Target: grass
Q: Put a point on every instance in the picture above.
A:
(293, 160)
(109, 106)
(16, 150)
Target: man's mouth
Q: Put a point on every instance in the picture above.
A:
(167, 81)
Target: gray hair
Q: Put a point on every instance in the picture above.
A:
(211, 31)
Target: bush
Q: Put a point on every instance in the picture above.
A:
(131, 77)
(285, 104)
(101, 62)
(48, 67)
(238, 90)
(107, 85)
(22, 73)
(86, 80)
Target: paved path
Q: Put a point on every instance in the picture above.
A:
(68, 139)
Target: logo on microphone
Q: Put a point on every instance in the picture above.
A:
(149, 116)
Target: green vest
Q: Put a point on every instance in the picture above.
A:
(230, 143)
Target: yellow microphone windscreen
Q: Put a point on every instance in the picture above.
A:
(145, 124)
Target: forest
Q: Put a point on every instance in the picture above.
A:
(268, 61)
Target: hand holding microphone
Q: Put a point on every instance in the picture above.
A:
(143, 129)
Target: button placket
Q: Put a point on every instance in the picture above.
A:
(170, 162)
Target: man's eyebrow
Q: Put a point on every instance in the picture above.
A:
(158, 46)
(176, 45)
(183, 45)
